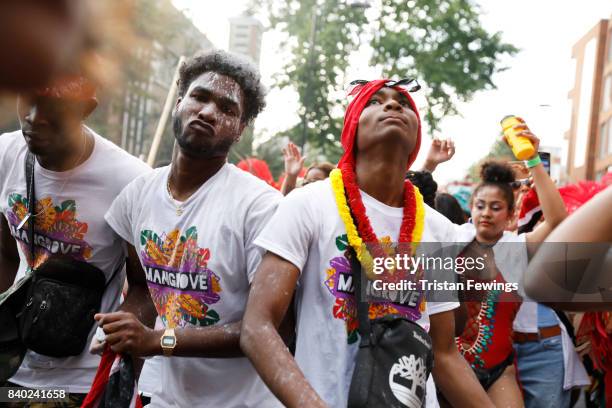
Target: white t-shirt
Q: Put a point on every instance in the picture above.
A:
(307, 231)
(73, 224)
(199, 267)
(150, 375)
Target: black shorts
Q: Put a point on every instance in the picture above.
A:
(488, 376)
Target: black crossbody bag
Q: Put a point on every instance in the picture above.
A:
(62, 298)
(394, 360)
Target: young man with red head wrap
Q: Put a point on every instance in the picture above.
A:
(308, 241)
(77, 174)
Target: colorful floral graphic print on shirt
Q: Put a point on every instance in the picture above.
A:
(339, 282)
(57, 231)
(181, 285)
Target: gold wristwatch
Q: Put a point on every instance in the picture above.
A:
(168, 342)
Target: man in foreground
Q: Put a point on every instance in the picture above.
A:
(307, 242)
(193, 225)
(77, 174)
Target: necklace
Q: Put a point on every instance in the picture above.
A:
(178, 206)
(411, 230)
(485, 321)
(46, 207)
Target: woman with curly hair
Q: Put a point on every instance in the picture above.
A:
(486, 341)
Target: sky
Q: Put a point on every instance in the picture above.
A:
(535, 85)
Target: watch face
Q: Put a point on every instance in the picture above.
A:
(168, 341)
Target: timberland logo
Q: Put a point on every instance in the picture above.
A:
(407, 380)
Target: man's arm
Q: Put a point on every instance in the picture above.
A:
(9, 256)
(452, 374)
(269, 299)
(138, 299)
(129, 330)
(558, 275)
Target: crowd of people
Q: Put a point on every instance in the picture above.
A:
(218, 290)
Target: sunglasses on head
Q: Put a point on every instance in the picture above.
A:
(522, 182)
(408, 84)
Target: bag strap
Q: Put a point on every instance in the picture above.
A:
(113, 275)
(31, 193)
(363, 305)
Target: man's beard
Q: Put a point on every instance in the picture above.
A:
(204, 150)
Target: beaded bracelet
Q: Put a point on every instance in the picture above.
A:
(533, 162)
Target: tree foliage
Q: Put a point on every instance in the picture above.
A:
(440, 42)
(318, 60)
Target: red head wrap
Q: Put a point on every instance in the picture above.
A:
(353, 112)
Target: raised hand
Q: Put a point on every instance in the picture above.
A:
(525, 132)
(294, 161)
(440, 151)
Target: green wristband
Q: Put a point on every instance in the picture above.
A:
(533, 162)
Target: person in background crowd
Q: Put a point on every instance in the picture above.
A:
(259, 168)
(541, 342)
(448, 206)
(317, 172)
(426, 184)
(307, 242)
(73, 191)
(463, 195)
(546, 280)
(193, 225)
(486, 342)
(555, 278)
(294, 163)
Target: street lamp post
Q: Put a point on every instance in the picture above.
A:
(313, 37)
(363, 4)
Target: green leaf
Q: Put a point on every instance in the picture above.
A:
(150, 235)
(16, 198)
(192, 233)
(68, 205)
(342, 242)
(212, 317)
